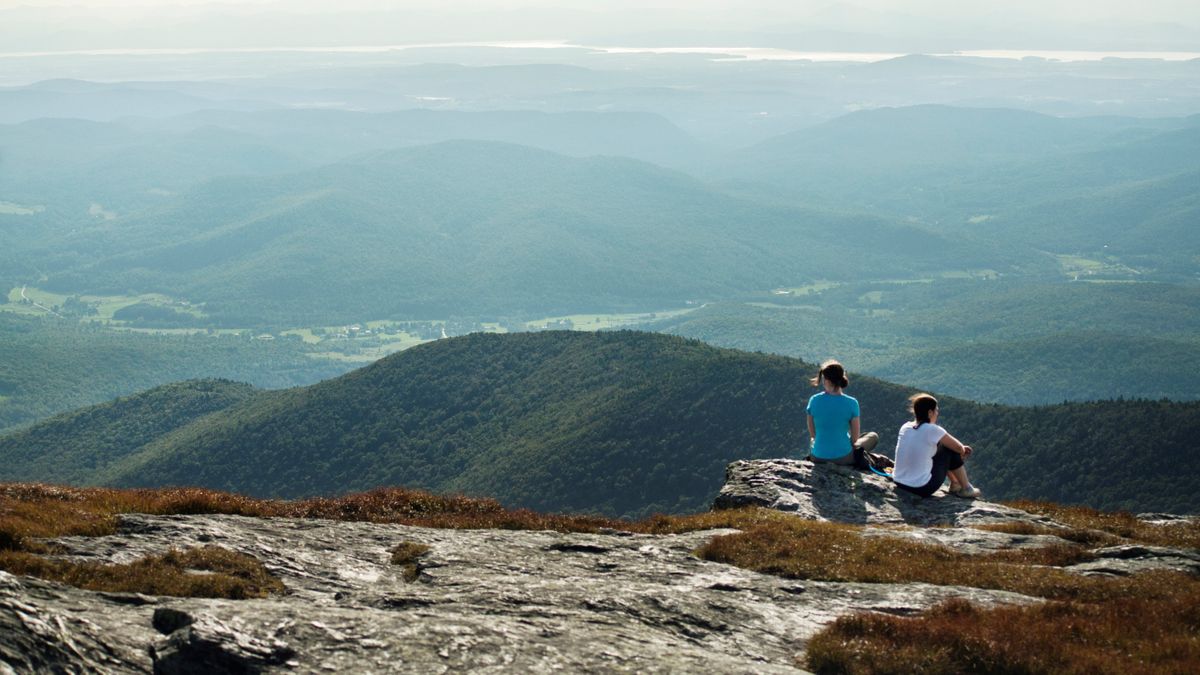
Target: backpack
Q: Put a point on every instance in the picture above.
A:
(875, 463)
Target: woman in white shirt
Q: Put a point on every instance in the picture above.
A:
(926, 454)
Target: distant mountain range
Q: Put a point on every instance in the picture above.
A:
(283, 218)
(478, 228)
(1099, 185)
(984, 340)
(290, 216)
(617, 423)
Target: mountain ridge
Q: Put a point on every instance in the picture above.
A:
(620, 423)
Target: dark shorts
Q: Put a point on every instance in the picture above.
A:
(944, 461)
(866, 443)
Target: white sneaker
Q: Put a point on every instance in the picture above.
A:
(969, 492)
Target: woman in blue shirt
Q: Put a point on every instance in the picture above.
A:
(833, 420)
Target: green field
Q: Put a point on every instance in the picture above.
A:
(175, 331)
(818, 287)
(592, 322)
(1080, 268)
(306, 334)
(11, 209)
(370, 341)
(390, 337)
(105, 305)
(815, 287)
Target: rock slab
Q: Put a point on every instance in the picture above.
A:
(487, 601)
(842, 494)
(497, 601)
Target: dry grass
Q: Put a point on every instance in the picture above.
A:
(406, 554)
(1184, 534)
(208, 572)
(1147, 623)
(30, 511)
(1082, 536)
(802, 549)
(1125, 635)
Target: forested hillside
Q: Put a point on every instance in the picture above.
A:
(986, 340)
(48, 366)
(618, 423)
(73, 446)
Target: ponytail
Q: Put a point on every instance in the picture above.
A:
(921, 405)
(834, 372)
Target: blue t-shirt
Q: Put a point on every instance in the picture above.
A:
(831, 415)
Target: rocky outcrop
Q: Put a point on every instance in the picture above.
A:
(484, 600)
(843, 494)
(502, 601)
(829, 492)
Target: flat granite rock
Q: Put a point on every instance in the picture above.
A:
(499, 601)
(490, 601)
(842, 494)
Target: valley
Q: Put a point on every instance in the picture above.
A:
(924, 219)
(480, 335)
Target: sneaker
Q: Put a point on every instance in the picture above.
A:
(969, 492)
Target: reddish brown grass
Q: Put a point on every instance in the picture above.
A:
(29, 511)
(406, 554)
(1084, 537)
(222, 573)
(1127, 634)
(803, 549)
(1185, 534)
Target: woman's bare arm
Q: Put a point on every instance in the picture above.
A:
(812, 432)
(854, 429)
(955, 445)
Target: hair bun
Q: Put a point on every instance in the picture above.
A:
(832, 371)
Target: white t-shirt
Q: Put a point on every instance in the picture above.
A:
(915, 448)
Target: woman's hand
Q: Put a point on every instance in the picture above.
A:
(967, 450)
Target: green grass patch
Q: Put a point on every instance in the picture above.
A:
(306, 334)
(774, 305)
(106, 305)
(807, 289)
(25, 310)
(986, 274)
(1081, 268)
(592, 322)
(363, 357)
(13, 209)
(42, 297)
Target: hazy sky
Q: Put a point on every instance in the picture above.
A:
(886, 25)
(1187, 11)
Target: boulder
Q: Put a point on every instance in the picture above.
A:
(843, 494)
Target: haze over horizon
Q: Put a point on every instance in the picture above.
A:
(866, 25)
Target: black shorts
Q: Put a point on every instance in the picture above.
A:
(945, 460)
